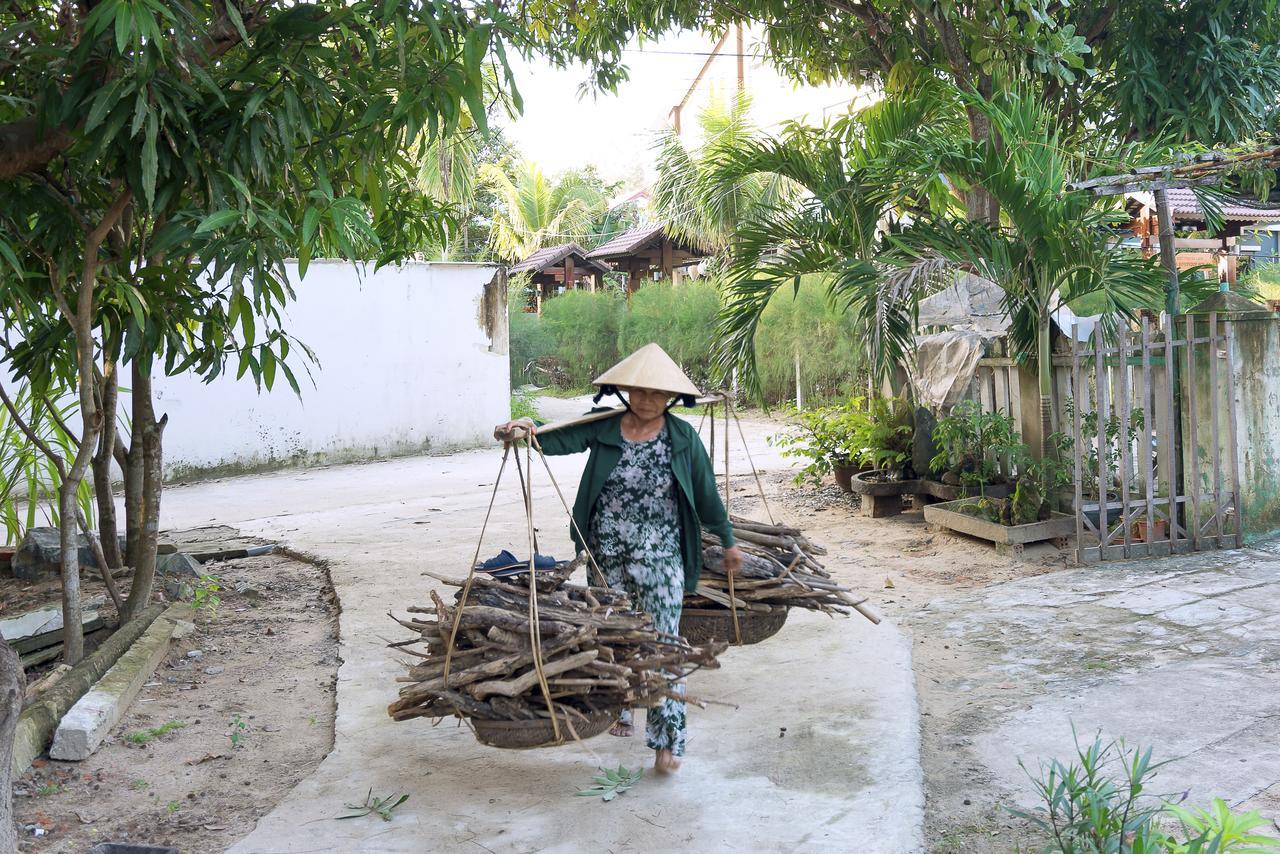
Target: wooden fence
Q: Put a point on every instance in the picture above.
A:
(1148, 479)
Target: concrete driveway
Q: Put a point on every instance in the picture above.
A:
(820, 753)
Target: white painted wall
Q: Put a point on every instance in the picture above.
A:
(406, 366)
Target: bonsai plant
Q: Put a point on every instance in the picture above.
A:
(971, 444)
(1029, 502)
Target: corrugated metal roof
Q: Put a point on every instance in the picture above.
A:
(1183, 205)
(626, 243)
(554, 255)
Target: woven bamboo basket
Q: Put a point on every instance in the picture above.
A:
(699, 625)
(526, 735)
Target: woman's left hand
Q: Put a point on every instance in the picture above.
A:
(733, 560)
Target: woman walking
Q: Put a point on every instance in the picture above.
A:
(647, 492)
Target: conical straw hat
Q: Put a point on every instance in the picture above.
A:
(649, 367)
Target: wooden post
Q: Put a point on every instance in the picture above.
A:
(1148, 419)
(1124, 440)
(1169, 260)
(568, 273)
(1211, 353)
(799, 390)
(1192, 465)
(1077, 436)
(666, 262)
(1232, 435)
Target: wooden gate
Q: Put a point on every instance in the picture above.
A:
(1155, 473)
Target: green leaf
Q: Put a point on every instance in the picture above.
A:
(216, 220)
(268, 360)
(150, 161)
(310, 220)
(124, 27)
(233, 13)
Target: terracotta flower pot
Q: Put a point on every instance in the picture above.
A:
(1159, 530)
(844, 477)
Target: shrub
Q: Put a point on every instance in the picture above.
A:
(804, 322)
(529, 343)
(681, 319)
(584, 328)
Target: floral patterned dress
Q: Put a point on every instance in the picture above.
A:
(635, 537)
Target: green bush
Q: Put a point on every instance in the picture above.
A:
(680, 319)
(584, 327)
(529, 342)
(805, 322)
(581, 333)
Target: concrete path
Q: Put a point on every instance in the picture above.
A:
(1181, 655)
(820, 754)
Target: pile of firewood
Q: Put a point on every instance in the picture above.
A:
(779, 569)
(597, 653)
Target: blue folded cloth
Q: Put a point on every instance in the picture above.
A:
(504, 564)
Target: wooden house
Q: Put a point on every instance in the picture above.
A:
(1221, 250)
(640, 252)
(559, 268)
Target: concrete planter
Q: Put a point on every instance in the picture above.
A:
(1008, 539)
(951, 492)
(881, 497)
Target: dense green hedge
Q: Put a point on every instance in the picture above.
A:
(581, 333)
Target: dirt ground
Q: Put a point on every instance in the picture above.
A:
(902, 566)
(246, 703)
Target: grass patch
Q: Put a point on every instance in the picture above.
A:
(143, 736)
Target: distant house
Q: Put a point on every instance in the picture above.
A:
(558, 268)
(640, 252)
(1222, 250)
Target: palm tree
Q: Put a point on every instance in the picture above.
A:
(537, 212)
(880, 222)
(690, 198)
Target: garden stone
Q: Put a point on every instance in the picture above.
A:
(180, 565)
(40, 554)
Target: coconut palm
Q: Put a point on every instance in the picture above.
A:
(536, 212)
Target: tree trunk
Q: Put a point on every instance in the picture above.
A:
(102, 460)
(147, 447)
(12, 690)
(69, 539)
(1045, 359)
(133, 492)
(980, 206)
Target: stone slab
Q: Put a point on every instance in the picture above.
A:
(86, 724)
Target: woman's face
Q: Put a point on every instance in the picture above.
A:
(647, 403)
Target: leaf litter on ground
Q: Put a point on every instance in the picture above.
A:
(612, 782)
(383, 807)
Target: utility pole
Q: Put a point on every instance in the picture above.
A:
(742, 70)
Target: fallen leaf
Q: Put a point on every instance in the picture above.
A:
(888, 583)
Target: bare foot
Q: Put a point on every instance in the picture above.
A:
(665, 762)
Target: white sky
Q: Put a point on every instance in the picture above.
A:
(559, 131)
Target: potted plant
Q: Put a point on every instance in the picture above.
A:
(829, 439)
(883, 438)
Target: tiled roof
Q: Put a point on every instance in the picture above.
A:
(555, 255)
(628, 242)
(1183, 205)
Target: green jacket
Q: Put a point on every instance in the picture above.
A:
(698, 499)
